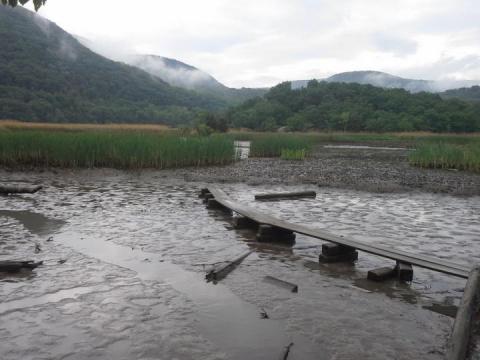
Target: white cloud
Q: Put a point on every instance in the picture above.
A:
(262, 42)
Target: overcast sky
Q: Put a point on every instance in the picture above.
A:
(263, 42)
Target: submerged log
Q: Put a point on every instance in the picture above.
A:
(282, 283)
(221, 271)
(17, 189)
(459, 340)
(286, 195)
(381, 274)
(15, 266)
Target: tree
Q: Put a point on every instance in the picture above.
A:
(13, 3)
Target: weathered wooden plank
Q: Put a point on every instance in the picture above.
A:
(384, 251)
(286, 195)
(282, 283)
(12, 266)
(17, 189)
(221, 271)
(459, 340)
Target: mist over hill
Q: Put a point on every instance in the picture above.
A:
(47, 75)
(384, 80)
(186, 76)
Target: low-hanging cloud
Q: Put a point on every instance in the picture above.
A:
(261, 42)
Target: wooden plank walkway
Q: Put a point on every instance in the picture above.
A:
(423, 261)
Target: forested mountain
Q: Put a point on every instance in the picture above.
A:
(354, 107)
(177, 73)
(47, 75)
(467, 94)
(384, 80)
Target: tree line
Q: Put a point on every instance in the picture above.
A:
(353, 107)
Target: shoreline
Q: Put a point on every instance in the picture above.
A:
(375, 170)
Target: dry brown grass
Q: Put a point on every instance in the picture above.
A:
(19, 125)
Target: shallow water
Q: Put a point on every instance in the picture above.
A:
(137, 246)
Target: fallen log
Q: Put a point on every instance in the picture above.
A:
(17, 189)
(286, 195)
(282, 283)
(221, 271)
(458, 344)
(11, 266)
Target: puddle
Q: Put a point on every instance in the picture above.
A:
(232, 324)
(35, 223)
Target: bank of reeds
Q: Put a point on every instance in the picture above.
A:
(443, 155)
(132, 150)
(288, 154)
(271, 145)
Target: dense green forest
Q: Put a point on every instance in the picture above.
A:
(467, 94)
(47, 75)
(354, 107)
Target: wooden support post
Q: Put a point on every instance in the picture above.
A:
(215, 205)
(268, 233)
(381, 274)
(203, 192)
(332, 253)
(457, 347)
(404, 271)
(241, 222)
(207, 196)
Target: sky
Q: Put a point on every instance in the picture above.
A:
(256, 43)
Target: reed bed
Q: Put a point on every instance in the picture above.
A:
(130, 150)
(288, 154)
(272, 145)
(442, 155)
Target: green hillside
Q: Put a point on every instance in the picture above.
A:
(354, 107)
(47, 75)
(467, 94)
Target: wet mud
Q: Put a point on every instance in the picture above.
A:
(134, 248)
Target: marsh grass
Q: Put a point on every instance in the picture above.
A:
(131, 150)
(271, 145)
(289, 154)
(443, 155)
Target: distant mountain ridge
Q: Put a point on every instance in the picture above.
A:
(384, 80)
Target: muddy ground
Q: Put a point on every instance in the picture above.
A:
(368, 169)
(125, 254)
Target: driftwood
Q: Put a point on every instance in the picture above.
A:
(221, 271)
(17, 189)
(286, 195)
(15, 266)
(286, 351)
(459, 340)
(282, 283)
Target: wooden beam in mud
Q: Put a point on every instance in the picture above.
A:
(423, 261)
(286, 195)
(221, 271)
(458, 345)
(17, 189)
(12, 266)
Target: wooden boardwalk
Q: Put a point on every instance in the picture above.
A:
(423, 261)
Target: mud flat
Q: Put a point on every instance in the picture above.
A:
(125, 255)
(359, 168)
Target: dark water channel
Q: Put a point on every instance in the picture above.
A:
(133, 249)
